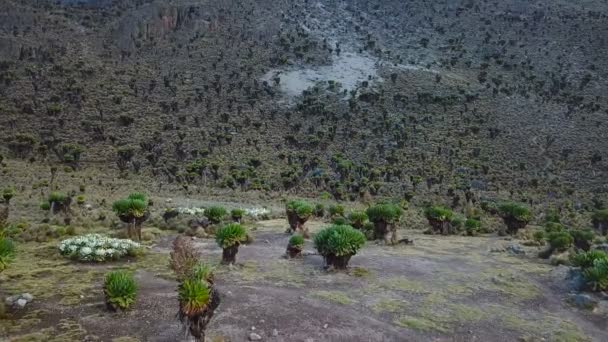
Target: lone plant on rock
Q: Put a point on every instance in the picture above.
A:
(337, 244)
(384, 217)
(295, 246)
(132, 210)
(440, 219)
(515, 216)
(229, 238)
(298, 212)
(120, 290)
(600, 221)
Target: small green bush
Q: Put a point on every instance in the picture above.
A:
(600, 216)
(319, 210)
(539, 236)
(57, 197)
(46, 206)
(230, 235)
(582, 238)
(237, 214)
(8, 194)
(194, 296)
(597, 275)
(439, 213)
(357, 219)
(302, 209)
(472, 226)
(120, 289)
(587, 259)
(296, 241)
(552, 227)
(7, 252)
(339, 240)
(339, 220)
(215, 214)
(384, 212)
(560, 241)
(131, 207)
(517, 211)
(336, 210)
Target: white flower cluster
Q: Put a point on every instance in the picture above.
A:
(257, 212)
(97, 247)
(191, 211)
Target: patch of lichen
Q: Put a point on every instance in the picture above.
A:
(339, 297)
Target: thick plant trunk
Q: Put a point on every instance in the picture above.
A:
(229, 254)
(337, 262)
(381, 228)
(293, 252)
(513, 225)
(390, 236)
(197, 324)
(302, 229)
(292, 218)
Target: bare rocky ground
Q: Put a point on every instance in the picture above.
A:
(439, 289)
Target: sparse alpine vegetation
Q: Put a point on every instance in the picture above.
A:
(338, 244)
(120, 290)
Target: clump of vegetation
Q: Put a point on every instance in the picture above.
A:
(295, 246)
(58, 202)
(7, 195)
(197, 303)
(336, 210)
(582, 238)
(357, 219)
(515, 216)
(97, 248)
(7, 252)
(229, 238)
(600, 221)
(337, 244)
(184, 257)
(594, 265)
(133, 211)
(385, 216)
(237, 215)
(440, 219)
(560, 241)
(472, 227)
(298, 212)
(319, 210)
(120, 290)
(215, 214)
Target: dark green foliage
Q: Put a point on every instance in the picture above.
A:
(120, 289)
(472, 226)
(439, 213)
(560, 241)
(539, 236)
(552, 227)
(339, 220)
(296, 241)
(457, 223)
(552, 215)
(516, 211)
(70, 153)
(597, 275)
(56, 197)
(339, 240)
(357, 219)
(336, 210)
(8, 194)
(7, 252)
(203, 272)
(319, 210)
(587, 259)
(302, 209)
(230, 235)
(237, 214)
(45, 206)
(582, 238)
(215, 214)
(600, 221)
(134, 211)
(194, 296)
(384, 212)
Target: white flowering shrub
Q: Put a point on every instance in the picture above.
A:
(97, 248)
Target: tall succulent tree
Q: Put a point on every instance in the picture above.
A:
(133, 211)
(298, 212)
(385, 216)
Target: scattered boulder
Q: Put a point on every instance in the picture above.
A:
(515, 249)
(19, 301)
(254, 337)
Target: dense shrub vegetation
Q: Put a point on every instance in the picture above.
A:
(229, 238)
(337, 244)
(215, 214)
(515, 215)
(295, 246)
(120, 290)
(133, 211)
(385, 217)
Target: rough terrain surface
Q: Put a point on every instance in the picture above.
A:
(440, 288)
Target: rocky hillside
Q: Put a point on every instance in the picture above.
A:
(356, 98)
